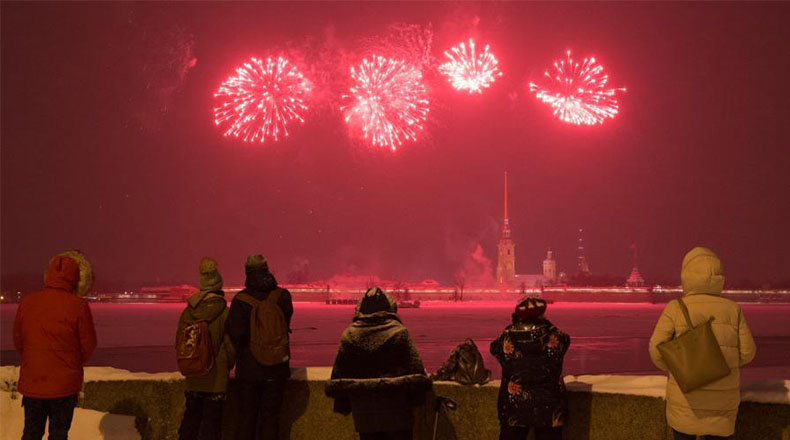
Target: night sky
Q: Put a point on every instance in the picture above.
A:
(108, 142)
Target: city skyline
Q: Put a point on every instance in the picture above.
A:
(109, 142)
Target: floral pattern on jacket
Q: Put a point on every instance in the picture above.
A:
(532, 392)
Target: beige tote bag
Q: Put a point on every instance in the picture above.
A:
(694, 358)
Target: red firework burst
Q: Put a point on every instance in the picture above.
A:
(578, 93)
(470, 70)
(387, 101)
(261, 100)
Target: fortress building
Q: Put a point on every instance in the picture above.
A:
(550, 267)
(506, 260)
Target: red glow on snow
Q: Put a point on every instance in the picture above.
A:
(261, 100)
(387, 102)
(578, 93)
(470, 70)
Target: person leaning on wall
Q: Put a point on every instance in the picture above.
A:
(378, 375)
(709, 411)
(54, 334)
(532, 392)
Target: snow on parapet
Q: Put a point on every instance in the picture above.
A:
(10, 374)
(652, 386)
(769, 391)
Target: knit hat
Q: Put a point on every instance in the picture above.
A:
(210, 279)
(256, 260)
(375, 300)
(702, 272)
(529, 309)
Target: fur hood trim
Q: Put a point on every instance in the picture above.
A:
(344, 388)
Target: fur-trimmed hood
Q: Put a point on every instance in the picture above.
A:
(376, 353)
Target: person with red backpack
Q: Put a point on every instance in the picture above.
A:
(259, 324)
(205, 356)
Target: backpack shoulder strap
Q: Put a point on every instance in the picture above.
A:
(274, 296)
(243, 297)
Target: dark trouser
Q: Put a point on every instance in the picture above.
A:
(59, 412)
(682, 436)
(521, 432)
(397, 435)
(259, 408)
(202, 416)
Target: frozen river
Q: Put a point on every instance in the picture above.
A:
(606, 337)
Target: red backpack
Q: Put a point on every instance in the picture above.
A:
(193, 349)
(268, 329)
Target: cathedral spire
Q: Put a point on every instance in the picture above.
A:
(506, 220)
(506, 250)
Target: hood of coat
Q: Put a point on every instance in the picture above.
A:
(205, 306)
(702, 273)
(63, 273)
(369, 332)
(259, 280)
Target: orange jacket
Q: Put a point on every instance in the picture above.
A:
(54, 334)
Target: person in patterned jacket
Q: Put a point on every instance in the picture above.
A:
(532, 393)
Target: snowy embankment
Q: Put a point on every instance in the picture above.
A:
(773, 391)
(90, 424)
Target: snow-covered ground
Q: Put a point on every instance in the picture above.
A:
(87, 424)
(607, 338)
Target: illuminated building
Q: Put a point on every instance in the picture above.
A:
(506, 260)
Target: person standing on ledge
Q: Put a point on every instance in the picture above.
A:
(532, 392)
(54, 334)
(206, 391)
(259, 323)
(378, 375)
(709, 411)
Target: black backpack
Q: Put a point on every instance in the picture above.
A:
(465, 366)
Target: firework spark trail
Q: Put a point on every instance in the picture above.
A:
(469, 70)
(261, 100)
(387, 100)
(578, 93)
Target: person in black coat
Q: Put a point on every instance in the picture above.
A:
(532, 392)
(261, 387)
(378, 375)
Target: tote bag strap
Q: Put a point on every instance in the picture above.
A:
(685, 312)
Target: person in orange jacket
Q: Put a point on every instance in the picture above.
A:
(54, 334)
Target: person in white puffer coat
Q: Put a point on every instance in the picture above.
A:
(711, 410)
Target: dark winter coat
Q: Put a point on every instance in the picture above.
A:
(260, 282)
(378, 374)
(54, 334)
(212, 308)
(532, 392)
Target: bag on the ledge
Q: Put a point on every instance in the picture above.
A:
(694, 358)
(465, 366)
(193, 349)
